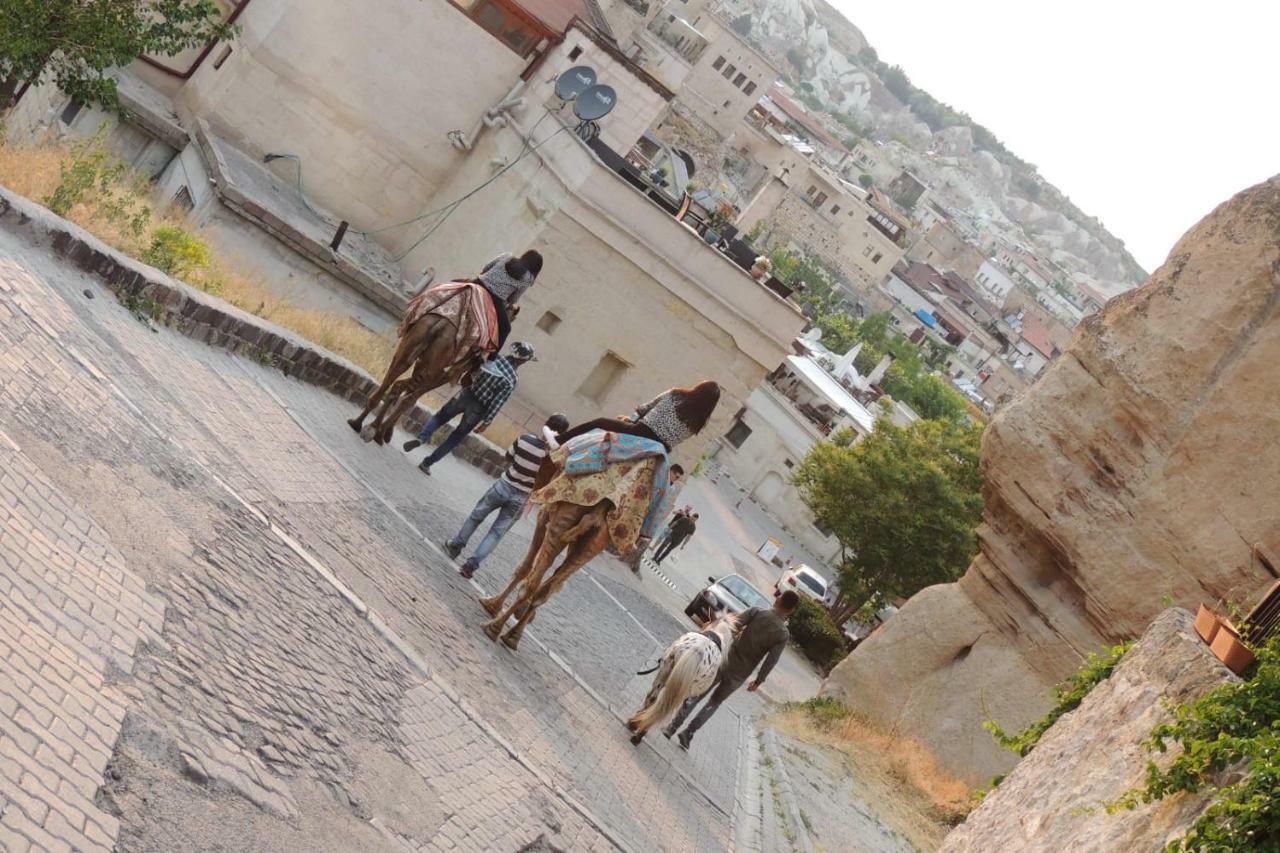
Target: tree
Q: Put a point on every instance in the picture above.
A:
(72, 43)
(741, 25)
(904, 504)
(865, 181)
(897, 82)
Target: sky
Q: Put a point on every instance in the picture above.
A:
(1147, 114)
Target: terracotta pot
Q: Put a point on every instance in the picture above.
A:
(1207, 623)
(1226, 647)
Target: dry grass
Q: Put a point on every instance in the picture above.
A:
(899, 775)
(37, 171)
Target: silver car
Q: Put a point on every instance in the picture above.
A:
(731, 593)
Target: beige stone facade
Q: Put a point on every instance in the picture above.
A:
(728, 79)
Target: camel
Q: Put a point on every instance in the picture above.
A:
(428, 346)
(580, 531)
(688, 668)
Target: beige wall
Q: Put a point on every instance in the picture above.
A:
(364, 93)
(715, 99)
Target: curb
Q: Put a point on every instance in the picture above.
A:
(207, 318)
(787, 793)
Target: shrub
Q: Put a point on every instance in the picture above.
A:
(1067, 697)
(177, 251)
(1233, 727)
(817, 634)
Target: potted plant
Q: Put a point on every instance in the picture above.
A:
(762, 268)
(1230, 649)
(720, 220)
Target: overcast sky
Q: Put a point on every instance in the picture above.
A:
(1146, 114)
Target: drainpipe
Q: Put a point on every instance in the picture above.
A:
(204, 54)
(498, 115)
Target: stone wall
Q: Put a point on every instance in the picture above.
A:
(1141, 468)
(1054, 799)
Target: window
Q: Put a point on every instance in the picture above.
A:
(70, 111)
(835, 208)
(751, 87)
(875, 259)
(604, 377)
(729, 71)
(866, 252)
(812, 189)
(575, 53)
(726, 105)
(789, 464)
(222, 57)
(738, 433)
(183, 201)
(739, 80)
(820, 199)
(548, 322)
(507, 23)
(719, 62)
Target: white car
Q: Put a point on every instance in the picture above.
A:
(805, 581)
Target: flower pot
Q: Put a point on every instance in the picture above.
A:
(1226, 647)
(711, 236)
(1207, 623)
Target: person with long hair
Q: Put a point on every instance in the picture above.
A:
(671, 417)
(507, 278)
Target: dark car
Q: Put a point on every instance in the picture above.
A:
(731, 592)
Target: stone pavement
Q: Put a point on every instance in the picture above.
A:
(219, 611)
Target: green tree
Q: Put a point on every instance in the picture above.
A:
(741, 25)
(865, 181)
(897, 82)
(72, 43)
(904, 504)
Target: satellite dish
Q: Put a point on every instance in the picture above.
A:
(595, 103)
(573, 81)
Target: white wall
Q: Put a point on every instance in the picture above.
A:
(994, 281)
(713, 97)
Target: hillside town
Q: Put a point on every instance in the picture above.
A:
(839, 321)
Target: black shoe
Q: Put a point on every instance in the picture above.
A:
(452, 550)
(469, 568)
(412, 444)
(684, 739)
(424, 467)
(668, 733)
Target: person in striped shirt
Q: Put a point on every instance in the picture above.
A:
(508, 494)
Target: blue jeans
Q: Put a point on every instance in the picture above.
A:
(465, 404)
(508, 501)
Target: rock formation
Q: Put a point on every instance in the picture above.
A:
(1053, 800)
(1140, 470)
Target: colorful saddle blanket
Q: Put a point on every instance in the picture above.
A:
(467, 305)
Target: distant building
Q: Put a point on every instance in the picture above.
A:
(906, 190)
(995, 280)
(728, 78)
(943, 247)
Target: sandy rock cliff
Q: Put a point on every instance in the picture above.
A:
(1140, 470)
(1053, 800)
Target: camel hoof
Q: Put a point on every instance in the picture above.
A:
(367, 433)
(492, 605)
(356, 424)
(491, 630)
(636, 738)
(511, 640)
(631, 725)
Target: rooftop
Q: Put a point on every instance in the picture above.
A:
(801, 116)
(823, 383)
(559, 14)
(1036, 333)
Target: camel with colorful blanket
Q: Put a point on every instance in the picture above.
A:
(447, 332)
(603, 488)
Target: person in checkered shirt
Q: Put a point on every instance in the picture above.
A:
(479, 404)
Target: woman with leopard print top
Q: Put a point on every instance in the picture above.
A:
(672, 417)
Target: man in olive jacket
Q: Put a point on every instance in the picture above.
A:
(763, 637)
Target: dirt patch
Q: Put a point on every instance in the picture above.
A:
(895, 779)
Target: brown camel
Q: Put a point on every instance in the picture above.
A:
(428, 346)
(582, 531)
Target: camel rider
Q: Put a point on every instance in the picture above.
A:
(490, 389)
(506, 278)
(670, 418)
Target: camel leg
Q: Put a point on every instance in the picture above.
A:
(404, 356)
(406, 403)
(493, 604)
(561, 519)
(592, 537)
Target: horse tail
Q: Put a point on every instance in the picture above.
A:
(675, 691)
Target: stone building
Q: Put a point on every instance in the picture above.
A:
(394, 141)
(728, 79)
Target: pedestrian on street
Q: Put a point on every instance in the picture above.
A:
(763, 636)
(682, 528)
(666, 531)
(508, 494)
(478, 404)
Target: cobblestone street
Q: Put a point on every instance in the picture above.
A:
(225, 622)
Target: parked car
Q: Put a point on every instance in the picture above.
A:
(805, 581)
(731, 592)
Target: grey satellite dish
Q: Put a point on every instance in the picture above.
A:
(595, 103)
(572, 82)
